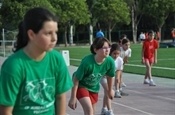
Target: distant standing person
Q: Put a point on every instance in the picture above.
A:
(141, 37)
(34, 80)
(173, 35)
(88, 75)
(149, 57)
(99, 34)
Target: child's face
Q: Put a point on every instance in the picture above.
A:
(104, 51)
(126, 46)
(46, 38)
(151, 36)
(115, 54)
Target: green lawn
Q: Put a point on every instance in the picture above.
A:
(164, 68)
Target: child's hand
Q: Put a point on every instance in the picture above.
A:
(125, 59)
(111, 94)
(73, 103)
(143, 61)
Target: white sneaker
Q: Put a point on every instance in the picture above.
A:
(117, 94)
(151, 83)
(146, 81)
(110, 112)
(123, 84)
(103, 111)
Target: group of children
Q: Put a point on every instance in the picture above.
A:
(27, 87)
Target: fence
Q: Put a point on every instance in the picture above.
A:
(6, 47)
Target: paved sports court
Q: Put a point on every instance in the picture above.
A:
(142, 99)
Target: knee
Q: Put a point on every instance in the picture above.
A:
(88, 111)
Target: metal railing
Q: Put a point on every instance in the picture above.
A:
(6, 47)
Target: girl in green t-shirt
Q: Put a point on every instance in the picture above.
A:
(87, 77)
(34, 79)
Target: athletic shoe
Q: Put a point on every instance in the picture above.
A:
(151, 83)
(123, 93)
(110, 112)
(117, 94)
(103, 111)
(123, 84)
(146, 81)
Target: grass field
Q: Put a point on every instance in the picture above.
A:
(164, 68)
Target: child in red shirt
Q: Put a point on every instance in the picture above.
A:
(149, 56)
(173, 34)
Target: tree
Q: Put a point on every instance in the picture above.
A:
(72, 12)
(136, 7)
(12, 11)
(111, 12)
(159, 10)
(93, 20)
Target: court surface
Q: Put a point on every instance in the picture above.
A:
(142, 99)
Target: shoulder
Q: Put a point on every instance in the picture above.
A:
(87, 59)
(56, 59)
(109, 59)
(129, 50)
(54, 53)
(14, 63)
(119, 59)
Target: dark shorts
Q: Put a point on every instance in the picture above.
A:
(83, 92)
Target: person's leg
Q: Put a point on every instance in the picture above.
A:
(83, 95)
(106, 100)
(87, 106)
(148, 64)
(122, 93)
(118, 84)
(147, 78)
(148, 69)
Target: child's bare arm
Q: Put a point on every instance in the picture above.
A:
(5, 110)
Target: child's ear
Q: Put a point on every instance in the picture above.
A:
(31, 34)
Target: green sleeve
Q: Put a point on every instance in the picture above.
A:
(10, 81)
(82, 69)
(63, 78)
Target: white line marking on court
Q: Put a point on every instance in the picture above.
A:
(161, 97)
(131, 108)
(156, 67)
(158, 60)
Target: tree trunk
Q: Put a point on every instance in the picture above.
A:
(71, 35)
(90, 34)
(134, 26)
(65, 37)
(109, 32)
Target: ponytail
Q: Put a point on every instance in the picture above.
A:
(22, 38)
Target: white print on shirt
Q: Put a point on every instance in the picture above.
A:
(36, 91)
(38, 95)
(93, 79)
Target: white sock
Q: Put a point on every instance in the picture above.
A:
(120, 89)
(151, 79)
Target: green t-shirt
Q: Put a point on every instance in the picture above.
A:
(31, 86)
(90, 72)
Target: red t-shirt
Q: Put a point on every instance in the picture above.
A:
(149, 48)
(173, 33)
